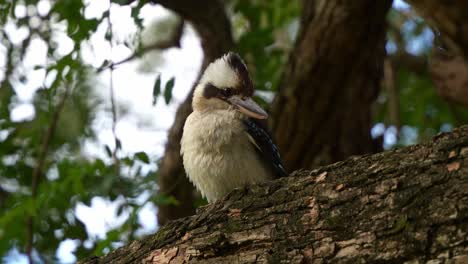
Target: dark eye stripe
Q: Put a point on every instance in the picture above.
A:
(210, 91)
(213, 91)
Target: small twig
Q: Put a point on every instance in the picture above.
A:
(114, 118)
(173, 41)
(112, 96)
(37, 172)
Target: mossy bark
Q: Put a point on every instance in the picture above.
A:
(403, 206)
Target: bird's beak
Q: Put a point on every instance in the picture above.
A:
(248, 107)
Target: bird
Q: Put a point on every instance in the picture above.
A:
(225, 142)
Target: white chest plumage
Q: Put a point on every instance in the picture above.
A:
(218, 155)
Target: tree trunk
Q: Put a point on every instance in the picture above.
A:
(402, 206)
(323, 111)
(216, 39)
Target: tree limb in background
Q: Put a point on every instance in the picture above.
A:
(450, 19)
(393, 96)
(214, 29)
(373, 208)
(172, 42)
(449, 73)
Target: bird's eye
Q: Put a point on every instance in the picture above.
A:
(228, 92)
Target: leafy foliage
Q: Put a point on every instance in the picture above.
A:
(167, 89)
(39, 217)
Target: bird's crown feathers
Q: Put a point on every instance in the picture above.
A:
(229, 71)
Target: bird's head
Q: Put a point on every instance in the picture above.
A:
(226, 84)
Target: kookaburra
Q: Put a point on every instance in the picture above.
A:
(224, 144)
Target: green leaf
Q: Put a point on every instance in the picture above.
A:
(4, 11)
(118, 143)
(142, 157)
(156, 89)
(106, 13)
(135, 14)
(120, 209)
(77, 231)
(168, 90)
(105, 63)
(99, 164)
(128, 161)
(108, 151)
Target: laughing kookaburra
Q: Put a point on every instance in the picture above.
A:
(224, 144)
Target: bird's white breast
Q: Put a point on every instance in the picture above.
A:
(217, 154)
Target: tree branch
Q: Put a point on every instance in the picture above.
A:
(112, 97)
(38, 169)
(448, 17)
(406, 205)
(209, 20)
(171, 42)
(449, 73)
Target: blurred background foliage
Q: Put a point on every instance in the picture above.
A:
(44, 170)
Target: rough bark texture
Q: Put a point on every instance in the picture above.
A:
(322, 113)
(450, 18)
(402, 206)
(214, 29)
